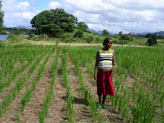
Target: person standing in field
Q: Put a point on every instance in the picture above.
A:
(104, 65)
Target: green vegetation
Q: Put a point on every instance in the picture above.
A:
(53, 22)
(138, 80)
(1, 17)
(30, 89)
(79, 34)
(138, 99)
(84, 89)
(79, 37)
(69, 98)
(105, 32)
(126, 37)
(14, 38)
(49, 96)
(16, 31)
(11, 75)
(82, 26)
(152, 39)
(58, 26)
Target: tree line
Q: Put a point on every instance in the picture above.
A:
(56, 22)
(1, 16)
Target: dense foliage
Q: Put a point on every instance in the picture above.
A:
(105, 32)
(54, 22)
(152, 39)
(1, 17)
(79, 34)
(82, 26)
(126, 37)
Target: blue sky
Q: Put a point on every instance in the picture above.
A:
(112, 15)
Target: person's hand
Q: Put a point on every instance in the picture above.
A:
(95, 76)
(114, 68)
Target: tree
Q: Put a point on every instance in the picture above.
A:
(79, 34)
(120, 33)
(105, 32)
(148, 35)
(126, 37)
(152, 39)
(54, 22)
(1, 17)
(82, 26)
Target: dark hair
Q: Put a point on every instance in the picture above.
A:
(106, 40)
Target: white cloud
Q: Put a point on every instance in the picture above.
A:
(17, 13)
(87, 17)
(54, 5)
(113, 15)
(22, 6)
(91, 6)
(116, 15)
(24, 15)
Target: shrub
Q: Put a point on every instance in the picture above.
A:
(79, 34)
(1, 44)
(89, 39)
(14, 38)
(97, 39)
(126, 37)
(152, 39)
(32, 37)
(43, 37)
(68, 40)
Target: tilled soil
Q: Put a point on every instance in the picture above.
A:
(5, 91)
(57, 112)
(80, 106)
(12, 112)
(34, 106)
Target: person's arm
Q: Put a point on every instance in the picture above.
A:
(114, 61)
(96, 65)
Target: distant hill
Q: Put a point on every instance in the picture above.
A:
(23, 27)
(160, 33)
(94, 31)
(100, 32)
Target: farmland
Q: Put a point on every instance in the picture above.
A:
(55, 84)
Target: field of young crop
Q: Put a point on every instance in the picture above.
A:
(54, 84)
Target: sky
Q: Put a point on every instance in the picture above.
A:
(129, 16)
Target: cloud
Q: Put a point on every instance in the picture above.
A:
(126, 15)
(113, 15)
(17, 13)
(90, 6)
(54, 5)
(22, 6)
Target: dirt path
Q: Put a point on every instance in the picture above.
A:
(110, 114)
(11, 114)
(80, 44)
(80, 106)
(57, 112)
(34, 106)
